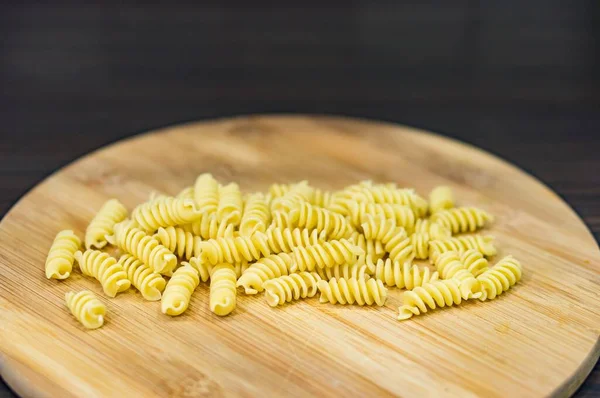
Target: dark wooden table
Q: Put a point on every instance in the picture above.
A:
(519, 79)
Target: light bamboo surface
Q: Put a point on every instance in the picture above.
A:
(539, 339)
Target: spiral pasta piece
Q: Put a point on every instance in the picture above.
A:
(395, 239)
(501, 277)
(86, 308)
(326, 254)
(440, 293)
(149, 283)
(235, 250)
(207, 227)
(231, 204)
(321, 198)
(103, 223)
(474, 262)
(284, 240)
(277, 191)
(403, 275)
(334, 225)
(402, 215)
(441, 198)
(286, 288)
(176, 297)
(484, 244)
(61, 256)
(420, 242)
(222, 289)
(165, 212)
(105, 269)
(388, 193)
(135, 241)
(186, 193)
(358, 270)
(373, 249)
(184, 244)
(435, 230)
(448, 264)
(281, 220)
(350, 291)
(257, 215)
(298, 194)
(271, 267)
(206, 194)
(468, 283)
(462, 219)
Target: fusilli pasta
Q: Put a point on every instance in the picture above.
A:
(286, 288)
(350, 291)
(206, 194)
(436, 231)
(222, 289)
(135, 241)
(103, 223)
(86, 308)
(501, 277)
(257, 215)
(231, 205)
(266, 268)
(105, 269)
(184, 244)
(284, 240)
(441, 198)
(234, 250)
(149, 283)
(474, 261)
(358, 270)
(165, 212)
(176, 297)
(403, 275)
(334, 225)
(326, 254)
(484, 244)
(462, 219)
(61, 256)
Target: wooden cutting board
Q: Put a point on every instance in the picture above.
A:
(539, 339)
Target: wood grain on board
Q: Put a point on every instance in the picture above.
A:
(541, 338)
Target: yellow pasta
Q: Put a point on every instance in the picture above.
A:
(235, 250)
(474, 262)
(388, 193)
(441, 198)
(333, 225)
(286, 288)
(484, 244)
(436, 231)
(231, 204)
(149, 283)
(298, 194)
(184, 244)
(358, 270)
(165, 212)
(186, 193)
(462, 219)
(222, 289)
(176, 297)
(206, 194)
(350, 291)
(501, 277)
(403, 275)
(61, 256)
(257, 215)
(135, 241)
(284, 240)
(86, 308)
(448, 264)
(420, 243)
(266, 268)
(440, 293)
(277, 191)
(326, 254)
(468, 283)
(111, 213)
(281, 220)
(207, 227)
(402, 215)
(374, 249)
(105, 269)
(322, 198)
(395, 239)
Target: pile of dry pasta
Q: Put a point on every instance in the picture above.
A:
(291, 243)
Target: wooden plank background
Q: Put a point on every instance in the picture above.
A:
(521, 80)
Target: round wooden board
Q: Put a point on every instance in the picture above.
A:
(539, 339)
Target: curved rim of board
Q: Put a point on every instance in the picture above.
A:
(21, 379)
